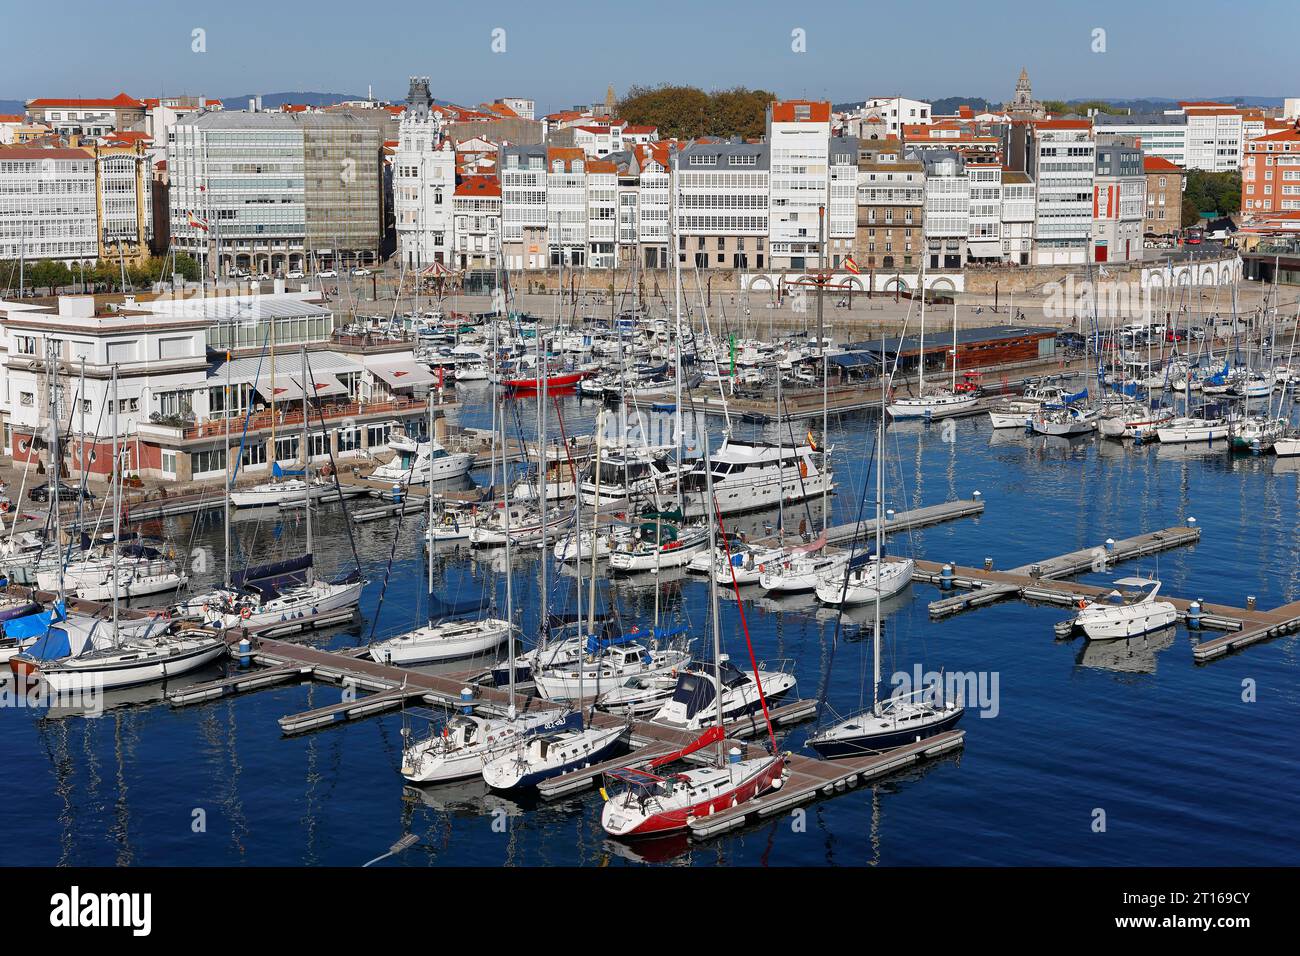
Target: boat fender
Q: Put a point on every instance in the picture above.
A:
(1082, 604)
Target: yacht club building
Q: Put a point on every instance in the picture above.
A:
(186, 408)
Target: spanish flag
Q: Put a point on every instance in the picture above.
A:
(812, 441)
(852, 266)
(198, 223)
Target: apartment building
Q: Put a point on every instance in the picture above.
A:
(1270, 174)
(274, 191)
(1119, 203)
(1061, 160)
(477, 229)
(424, 183)
(890, 207)
(1018, 214)
(886, 115)
(1214, 136)
(654, 201)
(798, 137)
(722, 205)
(984, 225)
(1159, 135)
(87, 118)
(947, 208)
(123, 198)
(566, 205)
(521, 107)
(842, 216)
(48, 207)
(523, 207)
(602, 213)
(1163, 215)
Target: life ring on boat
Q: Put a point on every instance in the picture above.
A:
(1082, 604)
(245, 613)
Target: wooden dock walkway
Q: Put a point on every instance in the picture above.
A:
(810, 778)
(986, 585)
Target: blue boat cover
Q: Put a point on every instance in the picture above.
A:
(32, 624)
(274, 570)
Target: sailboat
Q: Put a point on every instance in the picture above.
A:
(939, 401)
(468, 742)
(281, 591)
(444, 640)
(84, 653)
(903, 718)
(651, 804)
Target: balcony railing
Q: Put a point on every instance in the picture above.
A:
(284, 419)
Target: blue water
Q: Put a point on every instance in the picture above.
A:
(1184, 770)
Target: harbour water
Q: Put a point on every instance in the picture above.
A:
(1181, 762)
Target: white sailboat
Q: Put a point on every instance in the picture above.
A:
(79, 655)
(939, 401)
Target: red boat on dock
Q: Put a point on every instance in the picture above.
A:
(534, 384)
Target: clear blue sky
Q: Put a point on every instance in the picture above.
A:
(1187, 49)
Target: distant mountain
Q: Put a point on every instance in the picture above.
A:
(273, 101)
(949, 105)
(10, 107)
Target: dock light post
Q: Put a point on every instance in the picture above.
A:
(407, 841)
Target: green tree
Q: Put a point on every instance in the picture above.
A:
(1210, 192)
(686, 112)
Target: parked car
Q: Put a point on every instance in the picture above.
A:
(295, 274)
(362, 272)
(66, 493)
(327, 274)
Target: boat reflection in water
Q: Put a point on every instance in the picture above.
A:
(1133, 655)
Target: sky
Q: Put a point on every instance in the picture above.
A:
(850, 50)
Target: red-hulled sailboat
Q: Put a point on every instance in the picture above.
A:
(553, 380)
(650, 804)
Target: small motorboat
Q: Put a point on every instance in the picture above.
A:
(1129, 610)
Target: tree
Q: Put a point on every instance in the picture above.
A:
(686, 112)
(1210, 192)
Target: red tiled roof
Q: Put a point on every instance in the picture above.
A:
(1062, 123)
(121, 101)
(29, 152)
(478, 186)
(1158, 164)
(783, 111)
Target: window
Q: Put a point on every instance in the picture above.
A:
(206, 462)
(25, 344)
(27, 399)
(169, 464)
(253, 455)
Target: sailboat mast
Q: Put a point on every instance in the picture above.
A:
(55, 459)
(880, 535)
(677, 331)
(510, 605)
(226, 502)
(920, 382)
(712, 518)
(307, 472)
(429, 541)
(595, 528)
(117, 502)
(953, 386)
(542, 373)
